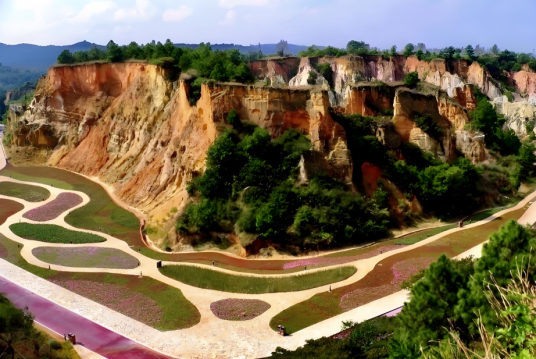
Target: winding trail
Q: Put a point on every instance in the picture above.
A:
(212, 337)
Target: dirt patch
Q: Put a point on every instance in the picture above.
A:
(238, 309)
(8, 208)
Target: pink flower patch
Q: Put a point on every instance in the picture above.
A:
(330, 261)
(55, 208)
(238, 309)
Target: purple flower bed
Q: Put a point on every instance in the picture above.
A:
(86, 257)
(53, 209)
(238, 309)
(117, 297)
(329, 261)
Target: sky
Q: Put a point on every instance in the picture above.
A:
(380, 23)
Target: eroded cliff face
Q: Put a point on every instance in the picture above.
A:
(278, 71)
(125, 125)
(517, 114)
(448, 115)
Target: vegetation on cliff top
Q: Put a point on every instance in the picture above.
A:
(228, 65)
(250, 185)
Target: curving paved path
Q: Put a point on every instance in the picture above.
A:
(212, 337)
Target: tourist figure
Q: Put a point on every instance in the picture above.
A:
(330, 289)
(64, 337)
(213, 263)
(305, 268)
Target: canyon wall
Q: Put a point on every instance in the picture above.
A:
(125, 125)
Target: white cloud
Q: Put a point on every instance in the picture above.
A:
(233, 3)
(94, 8)
(143, 10)
(230, 18)
(179, 14)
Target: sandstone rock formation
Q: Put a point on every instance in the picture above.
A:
(517, 114)
(279, 70)
(125, 124)
(448, 115)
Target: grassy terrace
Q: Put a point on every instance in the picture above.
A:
(386, 278)
(209, 279)
(100, 214)
(144, 299)
(23, 191)
(52, 233)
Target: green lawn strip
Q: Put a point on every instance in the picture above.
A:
(86, 257)
(52, 233)
(178, 312)
(23, 191)
(100, 214)
(209, 279)
(11, 171)
(323, 306)
(419, 236)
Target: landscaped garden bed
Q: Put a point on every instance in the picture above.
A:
(52, 233)
(55, 208)
(8, 208)
(85, 257)
(380, 281)
(210, 279)
(24, 191)
(129, 295)
(100, 214)
(239, 309)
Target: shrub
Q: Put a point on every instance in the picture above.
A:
(313, 76)
(411, 79)
(54, 344)
(429, 125)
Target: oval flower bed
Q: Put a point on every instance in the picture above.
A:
(239, 309)
(53, 209)
(86, 257)
(53, 234)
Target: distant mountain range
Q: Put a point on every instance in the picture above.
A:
(34, 56)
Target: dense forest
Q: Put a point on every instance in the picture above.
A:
(20, 81)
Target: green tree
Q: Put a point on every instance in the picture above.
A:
(508, 250)
(114, 52)
(313, 76)
(432, 302)
(409, 49)
(393, 52)
(470, 51)
(411, 79)
(66, 57)
(495, 49)
(353, 46)
(233, 119)
(419, 54)
(15, 324)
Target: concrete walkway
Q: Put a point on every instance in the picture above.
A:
(89, 334)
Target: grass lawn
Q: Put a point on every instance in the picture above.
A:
(209, 279)
(24, 191)
(132, 296)
(100, 214)
(86, 257)
(419, 236)
(52, 233)
(384, 279)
